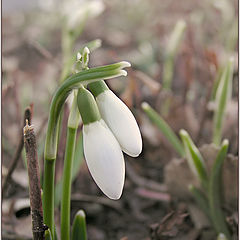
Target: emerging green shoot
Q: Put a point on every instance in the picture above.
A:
(79, 230)
(171, 51)
(164, 128)
(195, 159)
(223, 94)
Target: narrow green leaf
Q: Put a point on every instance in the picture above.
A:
(171, 51)
(200, 199)
(176, 37)
(223, 94)
(79, 231)
(214, 194)
(195, 159)
(216, 83)
(164, 127)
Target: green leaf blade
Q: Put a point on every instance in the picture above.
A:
(195, 159)
(214, 193)
(164, 128)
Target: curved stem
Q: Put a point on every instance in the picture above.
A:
(66, 191)
(84, 77)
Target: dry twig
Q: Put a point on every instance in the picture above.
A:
(38, 227)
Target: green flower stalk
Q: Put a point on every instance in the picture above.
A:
(73, 122)
(223, 93)
(73, 82)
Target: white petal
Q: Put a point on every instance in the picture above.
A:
(104, 158)
(121, 122)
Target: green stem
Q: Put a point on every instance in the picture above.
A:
(48, 196)
(66, 192)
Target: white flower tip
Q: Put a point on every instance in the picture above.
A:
(145, 105)
(133, 154)
(125, 64)
(114, 195)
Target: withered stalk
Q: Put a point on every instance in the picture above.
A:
(38, 227)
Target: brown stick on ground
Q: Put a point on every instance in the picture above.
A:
(38, 227)
(27, 116)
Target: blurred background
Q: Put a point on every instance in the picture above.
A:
(155, 203)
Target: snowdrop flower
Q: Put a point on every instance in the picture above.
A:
(101, 149)
(118, 118)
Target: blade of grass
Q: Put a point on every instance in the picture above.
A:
(164, 128)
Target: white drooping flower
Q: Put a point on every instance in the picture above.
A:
(102, 151)
(121, 121)
(104, 158)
